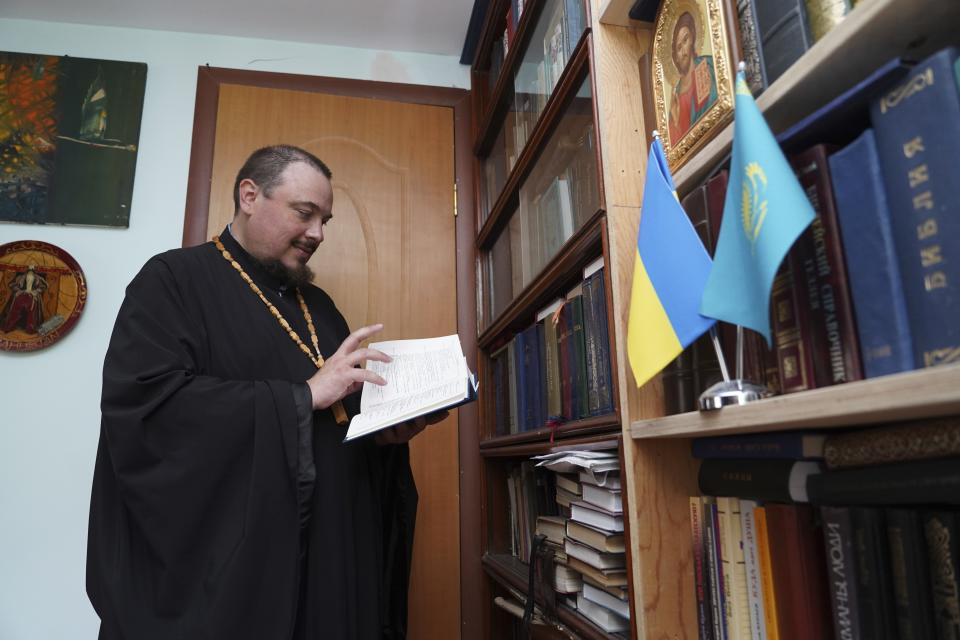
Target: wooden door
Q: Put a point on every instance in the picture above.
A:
(388, 256)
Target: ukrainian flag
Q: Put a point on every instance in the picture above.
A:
(669, 274)
(764, 213)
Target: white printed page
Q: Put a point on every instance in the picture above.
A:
(425, 375)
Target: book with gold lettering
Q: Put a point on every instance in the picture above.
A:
(917, 124)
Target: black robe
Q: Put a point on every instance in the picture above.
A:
(195, 527)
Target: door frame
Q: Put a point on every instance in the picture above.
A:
(209, 80)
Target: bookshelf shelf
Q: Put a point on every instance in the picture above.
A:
(494, 107)
(872, 34)
(925, 393)
(564, 268)
(593, 432)
(573, 74)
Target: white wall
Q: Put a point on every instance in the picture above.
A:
(50, 417)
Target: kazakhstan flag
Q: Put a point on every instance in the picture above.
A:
(764, 213)
(669, 274)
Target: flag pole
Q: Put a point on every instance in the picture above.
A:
(739, 352)
(715, 339)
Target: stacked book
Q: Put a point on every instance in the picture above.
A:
(587, 537)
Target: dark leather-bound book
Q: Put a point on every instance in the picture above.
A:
(590, 339)
(605, 385)
(841, 571)
(784, 34)
(752, 52)
(941, 529)
(886, 345)
(501, 391)
(923, 482)
(565, 341)
(924, 440)
(778, 480)
(917, 124)
(540, 390)
(791, 325)
(878, 617)
(524, 416)
(797, 556)
(820, 252)
(578, 358)
(531, 383)
(910, 573)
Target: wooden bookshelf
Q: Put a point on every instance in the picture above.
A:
(563, 144)
(660, 472)
(873, 33)
(926, 393)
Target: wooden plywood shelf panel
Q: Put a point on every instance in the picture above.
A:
(926, 393)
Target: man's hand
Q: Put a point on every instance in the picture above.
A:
(340, 375)
(404, 431)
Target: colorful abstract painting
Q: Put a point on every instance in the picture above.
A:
(69, 132)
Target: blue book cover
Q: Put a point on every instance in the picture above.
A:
(917, 125)
(783, 445)
(530, 388)
(605, 383)
(519, 354)
(872, 267)
(540, 390)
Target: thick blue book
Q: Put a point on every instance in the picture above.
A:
(784, 445)
(523, 415)
(917, 125)
(872, 265)
(533, 417)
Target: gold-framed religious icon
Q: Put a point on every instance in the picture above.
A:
(692, 74)
(42, 294)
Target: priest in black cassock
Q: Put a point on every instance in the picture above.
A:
(225, 503)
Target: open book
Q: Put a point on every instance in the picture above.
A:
(425, 376)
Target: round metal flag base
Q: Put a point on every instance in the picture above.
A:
(731, 392)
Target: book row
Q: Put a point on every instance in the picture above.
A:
(767, 570)
(871, 287)
(557, 369)
(576, 540)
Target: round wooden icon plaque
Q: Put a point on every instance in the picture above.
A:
(42, 293)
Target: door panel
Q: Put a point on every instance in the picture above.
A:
(388, 256)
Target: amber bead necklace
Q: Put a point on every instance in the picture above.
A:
(338, 411)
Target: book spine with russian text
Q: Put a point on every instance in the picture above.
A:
(943, 551)
(841, 571)
(917, 126)
(872, 266)
(836, 350)
(700, 569)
